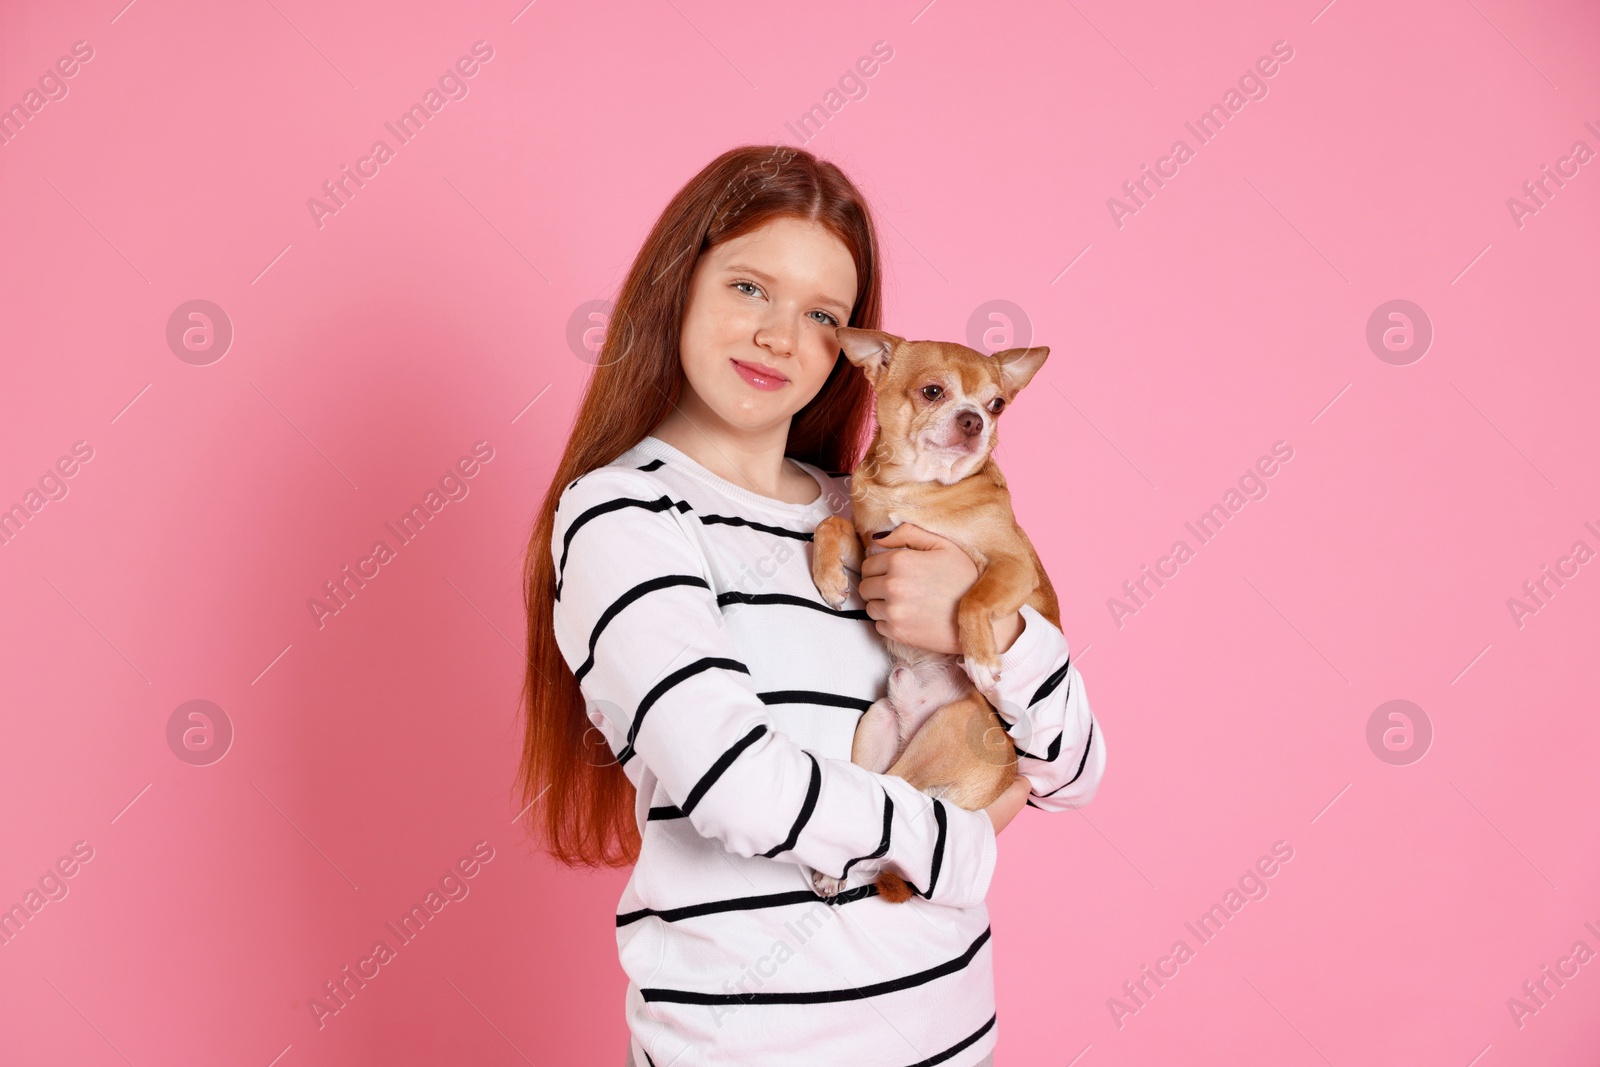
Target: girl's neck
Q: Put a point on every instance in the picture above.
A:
(757, 464)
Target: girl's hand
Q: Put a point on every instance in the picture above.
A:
(914, 595)
(1007, 804)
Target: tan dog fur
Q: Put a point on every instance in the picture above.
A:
(930, 464)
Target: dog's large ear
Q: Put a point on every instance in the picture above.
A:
(868, 349)
(1018, 366)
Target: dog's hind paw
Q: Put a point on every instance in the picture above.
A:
(826, 885)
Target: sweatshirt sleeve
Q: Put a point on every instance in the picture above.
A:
(1060, 747)
(637, 621)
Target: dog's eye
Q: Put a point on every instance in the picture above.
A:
(996, 404)
(932, 392)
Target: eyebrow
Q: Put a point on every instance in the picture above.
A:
(764, 276)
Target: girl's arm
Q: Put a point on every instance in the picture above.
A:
(1060, 747)
(639, 626)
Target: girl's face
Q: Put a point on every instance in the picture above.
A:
(758, 329)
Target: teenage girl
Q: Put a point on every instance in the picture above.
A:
(691, 699)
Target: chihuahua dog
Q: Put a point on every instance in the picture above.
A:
(931, 464)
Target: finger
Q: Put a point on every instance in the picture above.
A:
(905, 535)
(872, 588)
(875, 610)
(876, 563)
(910, 535)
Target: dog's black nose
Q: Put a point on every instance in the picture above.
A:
(971, 423)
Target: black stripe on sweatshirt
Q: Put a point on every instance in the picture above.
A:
(806, 808)
(1054, 750)
(756, 903)
(1084, 762)
(1049, 685)
(649, 585)
(883, 846)
(654, 464)
(938, 851)
(822, 996)
(734, 520)
(724, 599)
(724, 761)
(662, 503)
(813, 696)
(938, 845)
(661, 688)
(966, 1042)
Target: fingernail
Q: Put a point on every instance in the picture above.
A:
(880, 533)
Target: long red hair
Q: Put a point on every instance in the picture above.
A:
(572, 792)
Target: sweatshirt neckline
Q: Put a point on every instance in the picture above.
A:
(654, 446)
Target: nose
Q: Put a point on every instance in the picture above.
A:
(970, 421)
(776, 335)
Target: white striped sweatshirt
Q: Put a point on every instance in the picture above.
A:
(729, 691)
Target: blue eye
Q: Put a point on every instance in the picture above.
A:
(826, 320)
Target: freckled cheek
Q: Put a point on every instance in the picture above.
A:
(698, 353)
(708, 344)
(820, 359)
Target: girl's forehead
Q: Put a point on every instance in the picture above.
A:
(784, 249)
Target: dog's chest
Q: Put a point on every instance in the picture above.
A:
(874, 508)
(955, 511)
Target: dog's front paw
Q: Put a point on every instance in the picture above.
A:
(985, 676)
(826, 885)
(834, 587)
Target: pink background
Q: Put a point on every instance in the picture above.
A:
(369, 354)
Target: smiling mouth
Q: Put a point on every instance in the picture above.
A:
(760, 372)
